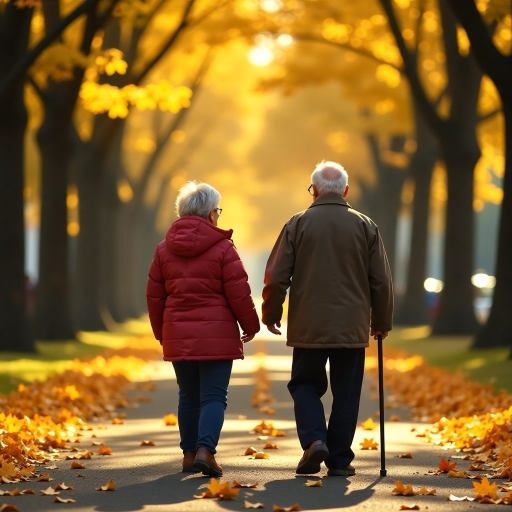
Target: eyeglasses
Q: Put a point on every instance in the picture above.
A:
(310, 190)
(218, 210)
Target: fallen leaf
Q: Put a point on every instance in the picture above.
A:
(457, 474)
(445, 466)
(7, 507)
(237, 484)
(250, 451)
(262, 438)
(248, 504)
(369, 444)
(53, 466)
(313, 483)
(459, 498)
(104, 450)
(293, 508)
(117, 421)
(369, 424)
(407, 507)
(109, 486)
(50, 491)
(97, 443)
(485, 488)
(261, 455)
(266, 410)
(402, 490)
(147, 443)
(45, 477)
(426, 492)
(58, 499)
(77, 465)
(221, 490)
(394, 417)
(407, 455)
(270, 446)
(476, 467)
(64, 487)
(170, 420)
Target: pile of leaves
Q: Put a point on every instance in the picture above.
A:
(42, 418)
(466, 415)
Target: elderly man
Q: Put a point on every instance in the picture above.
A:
(333, 260)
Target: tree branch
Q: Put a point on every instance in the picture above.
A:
(24, 63)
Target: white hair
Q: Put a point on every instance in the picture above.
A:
(196, 199)
(335, 184)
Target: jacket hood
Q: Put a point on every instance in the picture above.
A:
(190, 236)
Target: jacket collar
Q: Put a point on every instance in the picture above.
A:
(330, 199)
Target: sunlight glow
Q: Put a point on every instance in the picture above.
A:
(482, 280)
(271, 5)
(260, 56)
(285, 40)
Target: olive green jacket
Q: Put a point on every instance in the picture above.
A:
(333, 260)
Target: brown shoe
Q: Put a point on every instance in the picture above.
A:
(187, 466)
(313, 456)
(205, 462)
(348, 471)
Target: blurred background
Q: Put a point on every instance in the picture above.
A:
(107, 107)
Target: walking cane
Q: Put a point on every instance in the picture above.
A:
(381, 407)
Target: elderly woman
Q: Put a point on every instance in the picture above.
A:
(197, 294)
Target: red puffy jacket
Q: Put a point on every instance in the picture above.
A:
(197, 292)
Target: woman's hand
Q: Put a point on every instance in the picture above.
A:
(247, 337)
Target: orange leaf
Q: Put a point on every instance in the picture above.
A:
(313, 483)
(402, 490)
(250, 451)
(369, 444)
(64, 487)
(261, 455)
(270, 446)
(58, 499)
(407, 455)
(104, 450)
(7, 507)
(170, 420)
(293, 508)
(425, 492)
(77, 465)
(147, 443)
(395, 418)
(109, 486)
(45, 477)
(485, 488)
(221, 490)
(445, 466)
(457, 474)
(117, 421)
(407, 507)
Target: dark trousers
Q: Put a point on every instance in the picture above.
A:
(309, 383)
(203, 397)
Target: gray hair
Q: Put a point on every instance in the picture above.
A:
(196, 199)
(329, 178)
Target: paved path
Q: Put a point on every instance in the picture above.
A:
(148, 478)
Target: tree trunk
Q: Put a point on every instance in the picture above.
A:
(412, 308)
(498, 329)
(15, 332)
(53, 320)
(460, 153)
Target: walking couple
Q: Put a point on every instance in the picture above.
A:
(333, 261)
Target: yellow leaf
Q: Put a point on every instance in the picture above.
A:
(457, 474)
(45, 477)
(369, 424)
(117, 421)
(426, 492)
(261, 455)
(170, 420)
(109, 486)
(402, 490)
(313, 483)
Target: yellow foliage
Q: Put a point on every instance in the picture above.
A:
(116, 101)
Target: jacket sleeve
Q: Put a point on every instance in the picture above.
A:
(278, 274)
(381, 285)
(156, 296)
(238, 292)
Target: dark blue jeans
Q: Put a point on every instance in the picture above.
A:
(203, 397)
(309, 383)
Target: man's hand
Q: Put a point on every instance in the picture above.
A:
(247, 337)
(273, 328)
(375, 333)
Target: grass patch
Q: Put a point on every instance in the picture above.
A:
(488, 366)
(56, 356)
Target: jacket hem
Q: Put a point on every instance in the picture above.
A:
(296, 344)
